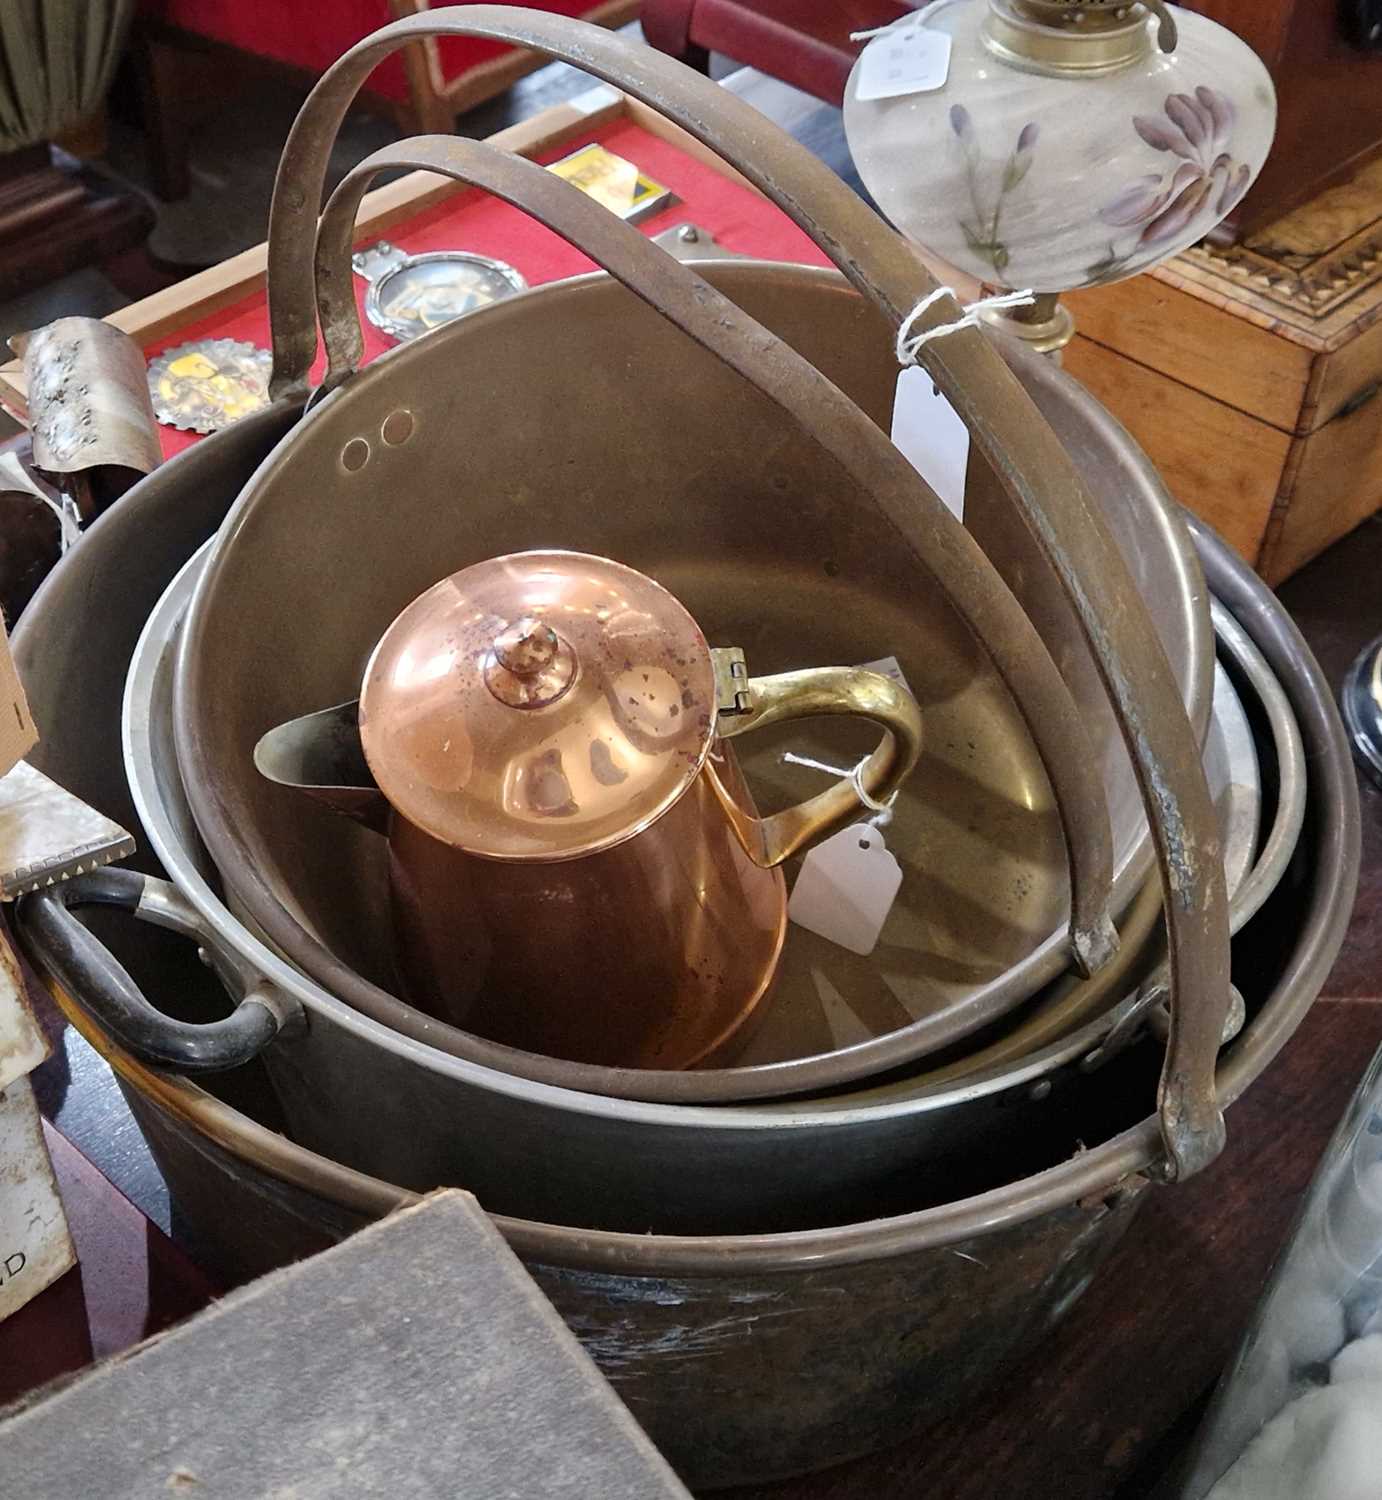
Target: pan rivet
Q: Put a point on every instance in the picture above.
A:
(397, 428)
(355, 455)
(1041, 1090)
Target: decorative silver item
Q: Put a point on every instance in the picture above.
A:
(410, 294)
(48, 835)
(89, 406)
(207, 384)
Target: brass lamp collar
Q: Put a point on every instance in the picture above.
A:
(1075, 38)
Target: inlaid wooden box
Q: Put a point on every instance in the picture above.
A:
(1250, 375)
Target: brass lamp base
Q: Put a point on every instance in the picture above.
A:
(1045, 324)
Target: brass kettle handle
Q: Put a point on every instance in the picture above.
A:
(809, 694)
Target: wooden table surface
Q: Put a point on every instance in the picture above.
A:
(1101, 1412)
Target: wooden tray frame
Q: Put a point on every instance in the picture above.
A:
(219, 286)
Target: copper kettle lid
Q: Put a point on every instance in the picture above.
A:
(542, 705)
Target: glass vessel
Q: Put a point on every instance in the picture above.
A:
(1299, 1412)
(1069, 145)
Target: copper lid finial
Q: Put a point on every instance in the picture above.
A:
(530, 666)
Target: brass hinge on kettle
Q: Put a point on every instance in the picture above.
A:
(731, 680)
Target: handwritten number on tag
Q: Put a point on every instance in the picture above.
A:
(910, 60)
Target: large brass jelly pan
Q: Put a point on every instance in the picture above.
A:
(1028, 463)
(826, 447)
(877, 1328)
(315, 884)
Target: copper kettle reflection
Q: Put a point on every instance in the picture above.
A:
(576, 865)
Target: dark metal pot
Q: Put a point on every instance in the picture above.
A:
(613, 1164)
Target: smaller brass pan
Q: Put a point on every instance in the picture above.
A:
(748, 537)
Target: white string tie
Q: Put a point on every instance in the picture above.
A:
(900, 23)
(882, 811)
(909, 344)
(69, 520)
(873, 31)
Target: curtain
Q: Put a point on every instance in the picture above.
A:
(56, 62)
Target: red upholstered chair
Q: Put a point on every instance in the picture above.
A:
(803, 42)
(424, 87)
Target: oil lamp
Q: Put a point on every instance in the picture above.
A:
(1057, 144)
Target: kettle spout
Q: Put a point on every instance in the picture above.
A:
(321, 756)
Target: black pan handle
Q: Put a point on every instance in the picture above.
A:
(86, 969)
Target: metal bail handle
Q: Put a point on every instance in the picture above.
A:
(824, 416)
(1037, 474)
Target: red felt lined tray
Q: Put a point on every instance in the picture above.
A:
(739, 218)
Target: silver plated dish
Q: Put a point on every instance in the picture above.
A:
(206, 385)
(412, 294)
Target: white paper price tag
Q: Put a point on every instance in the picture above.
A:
(931, 436)
(889, 667)
(910, 60)
(35, 1247)
(846, 888)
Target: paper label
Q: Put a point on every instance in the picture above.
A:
(17, 733)
(846, 888)
(22, 1045)
(931, 437)
(887, 666)
(35, 1247)
(909, 60)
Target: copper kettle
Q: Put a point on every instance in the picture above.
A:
(577, 867)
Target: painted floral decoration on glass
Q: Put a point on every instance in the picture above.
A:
(982, 232)
(1205, 184)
